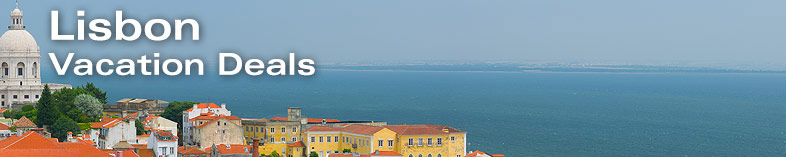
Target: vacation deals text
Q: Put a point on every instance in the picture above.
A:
(101, 30)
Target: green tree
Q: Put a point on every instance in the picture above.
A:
(97, 93)
(262, 155)
(140, 128)
(313, 154)
(10, 114)
(274, 154)
(346, 151)
(73, 114)
(62, 126)
(174, 112)
(47, 112)
(89, 105)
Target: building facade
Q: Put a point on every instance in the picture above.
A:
(20, 77)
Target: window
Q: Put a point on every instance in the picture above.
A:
(171, 150)
(328, 139)
(3, 96)
(247, 128)
(219, 123)
(19, 71)
(420, 142)
(410, 155)
(294, 129)
(14, 96)
(312, 139)
(429, 155)
(439, 142)
(256, 129)
(6, 71)
(283, 139)
(27, 96)
(380, 142)
(283, 129)
(410, 143)
(272, 130)
(294, 139)
(390, 143)
(321, 139)
(224, 131)
(429, 142)
(452, 138)
(335, 139)
(272, 140)
(36, 96)
(439, 155)
(420, 155)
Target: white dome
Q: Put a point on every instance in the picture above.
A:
(17, 40)
(16, 12)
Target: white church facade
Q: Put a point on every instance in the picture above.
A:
(20, 77)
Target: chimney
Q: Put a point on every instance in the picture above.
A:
(255, 147)
(70, 136)
(195, 106)
(123, 114)
(224, 106)
(118, 154)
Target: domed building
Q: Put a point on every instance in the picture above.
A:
(20, 78)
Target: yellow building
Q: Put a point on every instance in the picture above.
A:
(328, 140)
(428, 140)
(274, 135)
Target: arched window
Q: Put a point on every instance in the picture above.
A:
(5, 69)
(429, 155)
(410, 155)
(35, 70)
(439, 155)
(20, 69)
(420, 155)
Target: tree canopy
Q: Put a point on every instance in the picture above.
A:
(89, 105)
(47, 111)
(62, 126)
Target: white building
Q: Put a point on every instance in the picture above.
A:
(160, 123)
(202, 109)
(20, 78)
(163, 143)
(113, 130)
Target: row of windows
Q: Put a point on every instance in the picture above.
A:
(380, 143)
(15, 96)
(350, 140)
(429, 141)
(272, 129)
(283, 139)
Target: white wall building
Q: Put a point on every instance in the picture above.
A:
(207, 109)
(114, 130)
(160, 123)
(20, 77)
(163, 143)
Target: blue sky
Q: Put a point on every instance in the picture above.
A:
(663, 31)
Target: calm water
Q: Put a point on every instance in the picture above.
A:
(517, 114)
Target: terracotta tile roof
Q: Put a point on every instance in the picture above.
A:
(24, 123)
(204, 105)
(191, 151)
(139, 146)
(164, 136)
(233, 149)
(3, 126)
(132, 116)
(3, 110)
(361, 129)
(296, 144)
(104, 121)
(310, 120)
(129, 153)
(443, 127)
(322, 128)
(123, 145)
(87, 142)
(415, 130)
(146, 152)
(34, 144)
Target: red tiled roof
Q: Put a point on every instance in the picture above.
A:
(146, 152)
(204, 105)
(34, 144)
(415, 130)
(3, 126)
(322, 128)
(296, 144)
(3, 110)
(162, 134)
(362, 129)
(310, 120)
(103, 123)
(24, 123)
(191, 151)
(132, 116)
(441, 127)
(233, 149)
